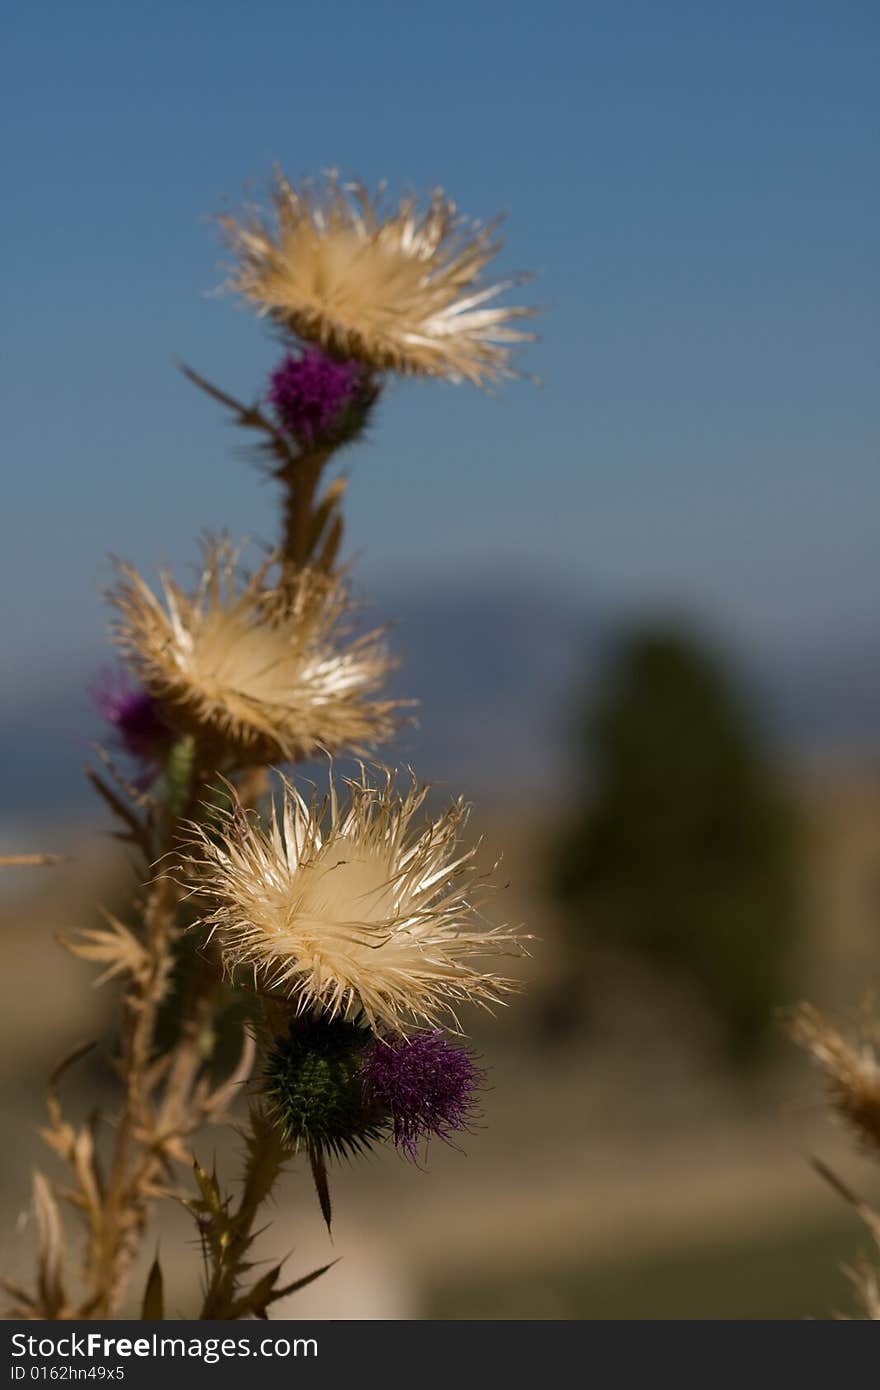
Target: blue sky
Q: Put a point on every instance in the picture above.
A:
(696, 185)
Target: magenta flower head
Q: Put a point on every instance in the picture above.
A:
(315, 396)
(140, 729)
(426, 1085)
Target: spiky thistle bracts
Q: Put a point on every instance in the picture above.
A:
(332, 1087)
(351, 904)
(398, 289)
(314, 1091)
(263, 671)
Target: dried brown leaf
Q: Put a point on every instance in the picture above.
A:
(50, 1246)
(114, 945)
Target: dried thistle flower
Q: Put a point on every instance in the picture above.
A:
(425, 1083)
(267, 672)
(399, 290)
(348, 907)
(852, 1070)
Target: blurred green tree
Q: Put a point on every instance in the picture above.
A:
(683, 847)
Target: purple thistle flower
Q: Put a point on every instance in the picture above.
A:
(426, 1084)
(134, 714)
(310, 392)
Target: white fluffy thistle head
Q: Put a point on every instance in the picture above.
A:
(269, 672)
(400, 290)
(350, 905)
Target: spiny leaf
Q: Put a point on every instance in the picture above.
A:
(330, 548)
(322, 1187)
(119, 809)
(264, 1293)
(153, 1306)
(302, 1282)
(258, 1297)
(210, 1189)
(249, 416)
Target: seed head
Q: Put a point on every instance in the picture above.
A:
(266, 672)
(351, 905)
(398, 289)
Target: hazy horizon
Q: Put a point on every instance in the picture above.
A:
(696, 190)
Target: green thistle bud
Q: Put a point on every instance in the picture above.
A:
(313, 1085)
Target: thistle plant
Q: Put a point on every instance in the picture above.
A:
(345, 925)
(851, 1066)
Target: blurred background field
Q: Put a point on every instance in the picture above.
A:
(625, 1165)
(693, 846)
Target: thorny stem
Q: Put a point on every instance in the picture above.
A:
(116, 1231)
(148, 1136)
(300, 481)
(307, 522)
(141, 1144)
(151, 1128)
(265, 1160)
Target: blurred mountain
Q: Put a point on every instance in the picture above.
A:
(822, 693)
(498, 663)
(493, 665)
